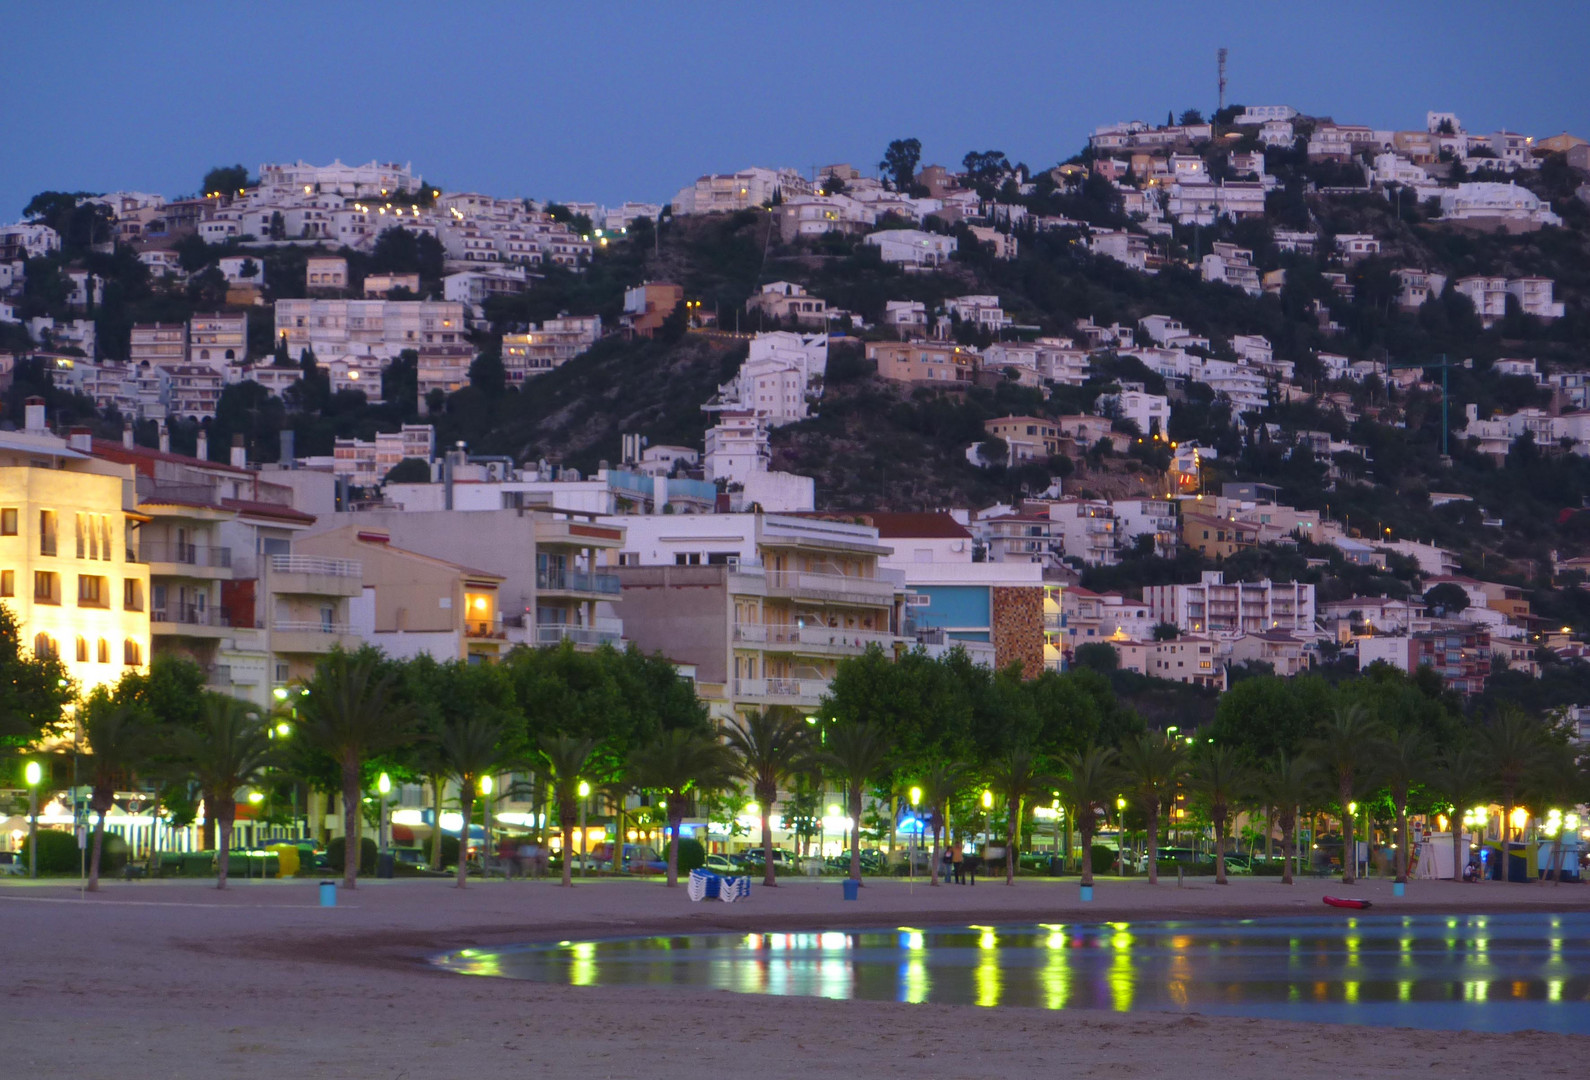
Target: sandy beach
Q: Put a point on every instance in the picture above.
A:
(176, 979)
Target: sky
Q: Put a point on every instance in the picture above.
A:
(607, 102)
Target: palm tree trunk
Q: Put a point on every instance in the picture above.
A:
(566, 823)
(1457, 850)
(673, 843)
(1010, 841)
(855, 834)
(769, 878)
(352, 850)
(466, 807)
(223, 849)
(1507, 835)
(1402, 842)
(93, 862)
(1349, 846)
(1087, 849)
(938, 856)
(1288, 825)
(1219, 818)
(438, 785)
(1153, 843)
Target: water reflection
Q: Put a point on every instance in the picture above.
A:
(1485, 973)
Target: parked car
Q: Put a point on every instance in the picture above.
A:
(722, 864)
(11, 862)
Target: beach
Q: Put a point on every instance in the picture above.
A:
(175, 978)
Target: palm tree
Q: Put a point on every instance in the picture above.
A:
(1152, 765)
(1219, 777)
(467, 750)
(118, 745)
(1015, 777)
(230, 749)
(940, 786)
(1514, 743)
(773, 747)
(1403, 764)
(675, 763)
(350, 711)
(1088, 784)
(1287, 784)
(1348, 744)
(617, 791)
(856, 754)
(564, 758)
(1461, 775)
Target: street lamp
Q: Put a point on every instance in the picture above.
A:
(584, 791)
(384, 786)
(910, 870)
(33, 774)
(1120, 835)
(485, 819)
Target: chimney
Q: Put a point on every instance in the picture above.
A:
(82, 438)
(33, 416)
(286, 451)
(202, 451)
(127, 434)
(165, 438)
(239, 453)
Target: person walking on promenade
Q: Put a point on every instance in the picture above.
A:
(958, 862)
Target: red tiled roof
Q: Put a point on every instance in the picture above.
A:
(268, 509)
(143, 458)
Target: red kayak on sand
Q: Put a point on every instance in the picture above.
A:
(1342, 901)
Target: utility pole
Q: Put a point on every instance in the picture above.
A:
(1445, 365)
(1222, 55)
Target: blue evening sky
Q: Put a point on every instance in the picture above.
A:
(607, 102)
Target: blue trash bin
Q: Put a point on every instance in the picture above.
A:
(1087, 894)
(328, 894)
(852, 889)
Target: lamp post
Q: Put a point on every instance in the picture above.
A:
(384, 786)
(1120, 835)
(910, 871)
(584, 791)
(485, 825)
(33, 774)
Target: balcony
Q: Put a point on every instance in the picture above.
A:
(581, 636)
(487, 628)
(822, 640)
(800, 692)
(186, 620)
(830, 588)
(1054, 620)
(311, 636)
(172, 559)
(577, 581)
(310, 575)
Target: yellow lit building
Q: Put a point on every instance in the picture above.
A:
(69, 569)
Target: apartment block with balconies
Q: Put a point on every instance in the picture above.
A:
(764, 605)
(1216, 607)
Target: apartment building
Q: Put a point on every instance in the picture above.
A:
(326, 272)
(218, 339)
(646, 306)
(764, 605)
(1459, 653)
(913, 248)
(413, 604)
(1030, 438)
(555, 580)
(1087, 530)
(1286, 655)
(193, 390)
(785, 300)
(365, 462)
(1215, 606)
(158, 344)
(1155, 518)
(932, 363)
(1089, 616)
(744, 190)
(69, 566)
(1149, 412)
(1193, 660)
(549, 345)
(380, 327)
(1216, 537)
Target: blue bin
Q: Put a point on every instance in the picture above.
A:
(1087, 894)
(328, 894)
(1398, 889)
(852, 889)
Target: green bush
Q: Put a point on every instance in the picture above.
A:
(57, 852)
(336, 854)
(692, 856)
(449, 850)
(1103, 859)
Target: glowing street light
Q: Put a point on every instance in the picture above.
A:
(383, 784)
(584, 791)
(33, 774)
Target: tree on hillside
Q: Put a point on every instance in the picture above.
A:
(226, 179)
(1191, 116)
(900, 161)
(1447, 598)
(410, 471)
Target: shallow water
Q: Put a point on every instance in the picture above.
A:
(1475, 972)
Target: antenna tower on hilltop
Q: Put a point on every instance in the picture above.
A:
(1222, 55)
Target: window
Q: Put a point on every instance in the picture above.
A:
(82, 649)
(132, 655)
(687, 558)
(91, 591)
(46, 587)
(82, 544)
(44, 647)
(132, 595)
(8, 522)
(104, 651)
(46, 532)
(8, 582)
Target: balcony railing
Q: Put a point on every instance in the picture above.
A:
(557, 634)
(578, 581)
(484, 628)
(781, 691)
(314, 564)
(816, 584)
(810, 637)
(189, 615)
(312, 626)
(170, 551)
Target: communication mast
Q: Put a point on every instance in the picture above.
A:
(1222, 77)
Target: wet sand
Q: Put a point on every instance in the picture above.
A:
(176, 979)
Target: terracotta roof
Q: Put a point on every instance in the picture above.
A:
(143, 458)
(268, 509)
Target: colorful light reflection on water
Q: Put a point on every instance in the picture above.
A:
(1483, 973)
